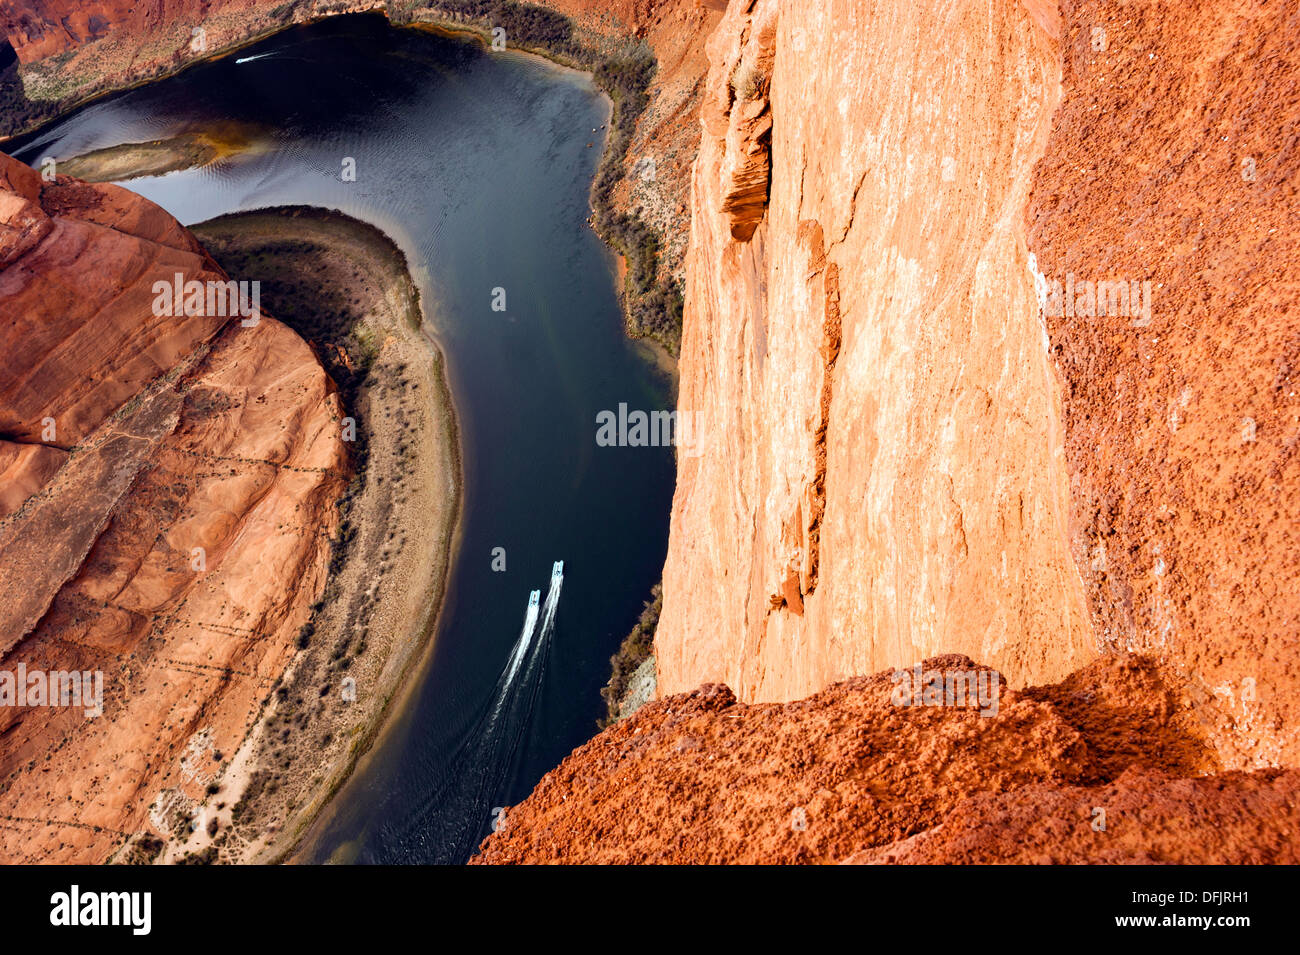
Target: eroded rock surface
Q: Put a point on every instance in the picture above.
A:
(1172, 167)
(849, 775)
(178, 477)
(910, 446)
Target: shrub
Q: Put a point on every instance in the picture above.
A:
(634, 651)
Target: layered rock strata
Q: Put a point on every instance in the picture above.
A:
(174, 482)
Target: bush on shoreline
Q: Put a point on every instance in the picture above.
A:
(17, 112)
(634, 651)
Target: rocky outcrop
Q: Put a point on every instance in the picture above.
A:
(1099, 770)
(177, 476)
(1237, 818)
(747, 135)
(68, 375)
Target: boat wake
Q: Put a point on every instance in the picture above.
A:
(449, 823)
(525, 638)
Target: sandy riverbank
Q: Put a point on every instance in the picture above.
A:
(343, 286)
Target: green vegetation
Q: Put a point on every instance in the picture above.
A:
(284, 11)
(145, 850)
(256, 783)
(17, 112)
(654, 305)
(634, 651)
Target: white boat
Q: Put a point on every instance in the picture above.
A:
(557, 570)
(533, 597)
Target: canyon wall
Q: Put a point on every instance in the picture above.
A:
(908, 443)
(879, 473)
(167, 525)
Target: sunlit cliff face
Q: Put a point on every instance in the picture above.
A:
(883, 476)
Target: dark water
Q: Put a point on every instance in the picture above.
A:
(479, 166)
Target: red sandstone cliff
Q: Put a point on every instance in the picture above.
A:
(903, 453)
(169, 493)
(882, 473)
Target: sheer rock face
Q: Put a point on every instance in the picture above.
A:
(909, 444)
(169, 493)
(880, 474)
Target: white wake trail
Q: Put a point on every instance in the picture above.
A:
(552, 600)
(451, 818)
(525, 637)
